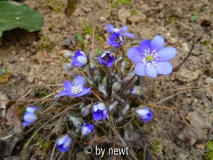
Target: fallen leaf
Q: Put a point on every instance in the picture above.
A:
(196, 131)
(99, 140)
(13, 118)
(133, 137)
(71, 6)
(3, 100)
(4, 77)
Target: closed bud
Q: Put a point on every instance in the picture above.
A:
(77, 122)
(56, 98)
(129, 76)
(119, 59)
(123, 66)
(137, 90)
(86, 110)
(92, 66)
(116, 86)
(125, 110)
(67, 67)
(66, 53)
(112, 107)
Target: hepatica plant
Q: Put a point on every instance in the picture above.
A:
(103, 90)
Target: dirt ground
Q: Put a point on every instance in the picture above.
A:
(36, 55)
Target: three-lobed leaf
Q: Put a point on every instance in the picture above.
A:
(14, 15)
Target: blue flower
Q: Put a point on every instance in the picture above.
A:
(106, 59)
(79, 59)
(29, 116)
(64, 143)
(145, 114)
(87, 129)
(116, 39)
(152, 58)
(99, 112)
(75, 90)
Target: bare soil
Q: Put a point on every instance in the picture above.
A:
(31, 56)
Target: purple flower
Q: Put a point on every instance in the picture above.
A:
(116, 39)
(106, 59)
(75, 90)
(152, 58)
(99, 112)
(79, 59)
(29, 116)
(64, 143)
(145, 114)
(87, 129)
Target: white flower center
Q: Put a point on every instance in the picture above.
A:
(76, 89)
(116, 30)
(150, 58)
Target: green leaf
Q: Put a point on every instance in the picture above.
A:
(2, 71)
(194, 18)
(81, 40)
(14, 15)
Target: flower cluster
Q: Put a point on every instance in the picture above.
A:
(107, 92)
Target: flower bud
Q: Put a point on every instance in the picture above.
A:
(80, 59)
(66, 53)
(87, 129)
(112, 107)
(138, 91)
(64, 143)
(77, 122)
(67, 67)
(116, 86)
(99, 111)
(56, 98)
(125, 110)
(145, 114)
(86, 110)
(30, 116)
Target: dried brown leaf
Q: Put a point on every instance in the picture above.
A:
(3, 100)
(71, 6)
(133, 137)
(99, 140)
(13, 118)
(196, 131)
(4, 77)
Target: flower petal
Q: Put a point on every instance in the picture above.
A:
(31, 109)
(151, 71)
(97, 115)
(134, 54)
(123, 30)
(79, 81)
(101, 106)
(95, 108)
(145, 45)
(82, 59)
(164, 68)
(140, 69)
(62, 140)
(166, 54)
(65, 93)
(67, 144)
(85, 91)
(129, 35)
(30, 118)
(68, 85)
(157, 42)
(85, 131)
(110, 28)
